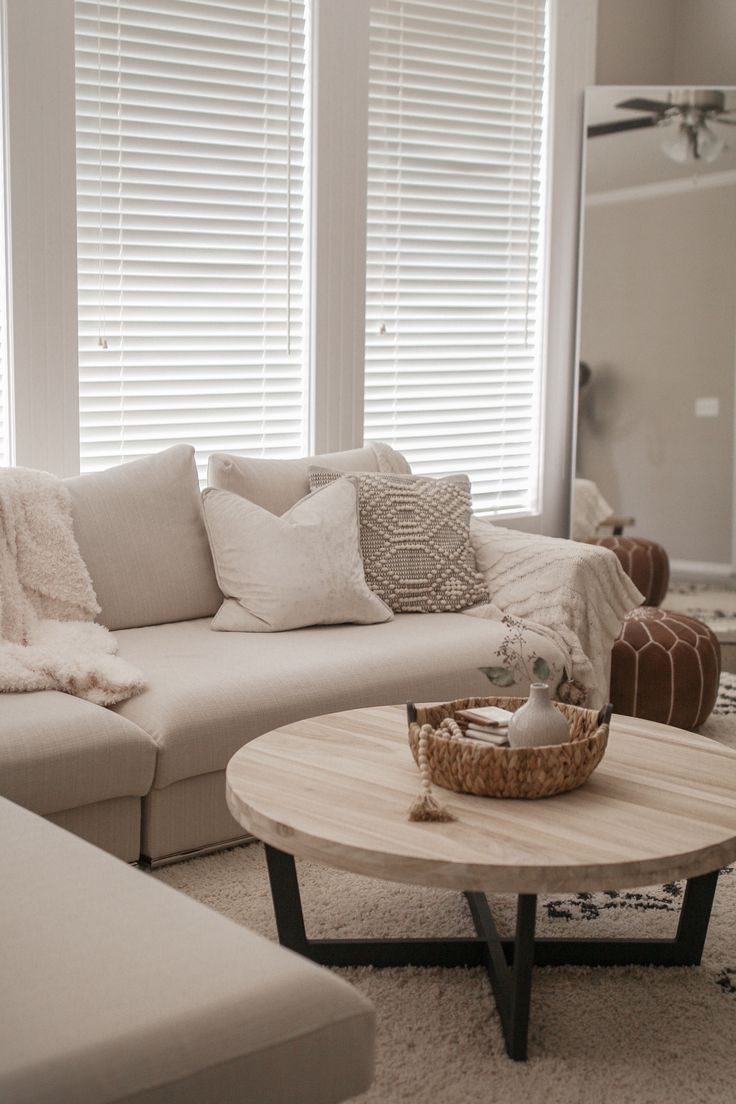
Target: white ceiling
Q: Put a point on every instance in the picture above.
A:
(633, 158)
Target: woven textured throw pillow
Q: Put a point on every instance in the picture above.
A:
(415, 540)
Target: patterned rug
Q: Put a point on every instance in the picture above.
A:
(715, 605)
(726, 700)
(642, 1035)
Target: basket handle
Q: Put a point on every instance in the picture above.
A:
(411, 712)
(604, 717)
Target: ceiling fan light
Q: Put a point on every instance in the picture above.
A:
(709, 145)
(677, 142)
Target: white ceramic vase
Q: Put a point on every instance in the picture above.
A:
(538, 723)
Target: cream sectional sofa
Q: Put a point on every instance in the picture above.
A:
(147, 776)
(120, 990)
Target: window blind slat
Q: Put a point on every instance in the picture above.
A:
(455, 187)
(191, 147)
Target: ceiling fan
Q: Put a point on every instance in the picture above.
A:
(685, 118)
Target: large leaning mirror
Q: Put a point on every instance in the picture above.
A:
(658, 319)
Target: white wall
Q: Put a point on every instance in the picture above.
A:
(666, 42)
(704, 42)
(636, 42)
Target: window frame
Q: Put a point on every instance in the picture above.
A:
(41, 242)
(41, 196)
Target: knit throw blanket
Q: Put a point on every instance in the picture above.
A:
(576, 595)
(48, 638)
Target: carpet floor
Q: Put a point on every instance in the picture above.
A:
(597, 1036)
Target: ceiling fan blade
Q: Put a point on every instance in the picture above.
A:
(598, 129)
(720, 119)
(657, 106)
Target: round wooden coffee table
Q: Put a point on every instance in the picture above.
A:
(336, 789)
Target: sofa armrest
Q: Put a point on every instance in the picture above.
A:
(577, 591)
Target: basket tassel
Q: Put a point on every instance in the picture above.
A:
(426, 806)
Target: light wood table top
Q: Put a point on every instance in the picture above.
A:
(336, 789)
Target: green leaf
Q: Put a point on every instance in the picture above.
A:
(498, 675)
(541, 668)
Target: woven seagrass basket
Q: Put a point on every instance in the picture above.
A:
(467, 766)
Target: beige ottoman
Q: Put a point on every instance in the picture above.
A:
(665, 667)
(117, 988)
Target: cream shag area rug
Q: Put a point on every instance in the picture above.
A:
(597, 1036)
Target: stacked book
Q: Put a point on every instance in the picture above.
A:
(487, 723)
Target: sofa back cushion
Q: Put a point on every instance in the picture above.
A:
(141, 533)
(277, 485)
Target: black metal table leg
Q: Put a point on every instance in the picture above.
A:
(458, 951)
(684, 950)
(521, 978)
(509, 965)
(508, 962)
(287, 902)
(695, 917)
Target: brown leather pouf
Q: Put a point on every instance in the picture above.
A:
(665, 667)
(644, 561)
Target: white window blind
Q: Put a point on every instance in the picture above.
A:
(191, 239)
(453, 321)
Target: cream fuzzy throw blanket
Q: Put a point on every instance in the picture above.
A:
(48, 638)
(577, 595)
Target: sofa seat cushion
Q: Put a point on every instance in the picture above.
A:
(118, 988)
(209, 693)
(59, 752)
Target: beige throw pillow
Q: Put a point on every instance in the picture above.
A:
(303, 568)
(415, 539)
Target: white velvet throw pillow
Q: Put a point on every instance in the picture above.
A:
(303, 568)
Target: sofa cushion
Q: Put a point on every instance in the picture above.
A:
(303, 568)
(141, 534)
(277, 484)
(208, 693)
(118, 988)
(59, 752)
